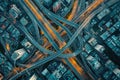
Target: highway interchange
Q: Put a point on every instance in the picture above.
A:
(79, 19)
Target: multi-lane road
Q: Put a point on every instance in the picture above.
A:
(72, 61)
(89, 13)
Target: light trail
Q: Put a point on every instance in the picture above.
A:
(92, 7)
(74, 10)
